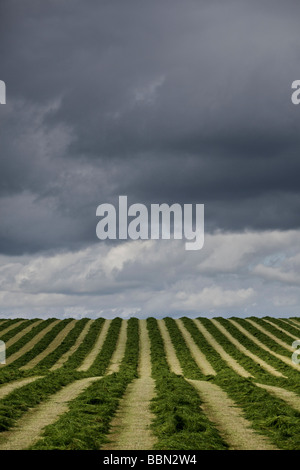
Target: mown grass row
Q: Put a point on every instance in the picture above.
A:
(14, 405)
(7, 323)
(86, 345)
(188, 364)
(179, 423)
(65, 345)
(102, 360)
(28, 336)
(249, 365)
(10, 372)
(210, 353)
(10, 334)
(268, 415)
(288, 326)
(42, 344)
(282, 335)
(86, 425)
(263, 338)
(285, 369)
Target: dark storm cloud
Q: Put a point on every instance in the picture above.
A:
(164, 101)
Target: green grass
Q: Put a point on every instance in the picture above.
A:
(86, 424)
(179, 423)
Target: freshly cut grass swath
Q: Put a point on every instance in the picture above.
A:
(18, 356)
(89, 359)
(229, 418)
(164, 384)
(53, 345)
(198, 356)
(78, 356)
(265, 343)
(11, 325)
(231, 362)
(11, 386)
(42, 344)
(32, 424)
(187, 362)
(275, 330)
(16, 331)
(239, 342)
(102, 359)
(169, 349)
(119, 351)
(86, 424)
(24, 329)
(290, 398)
(179, 422)
(130, 428)
(71, 344)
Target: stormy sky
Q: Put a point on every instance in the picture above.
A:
(166, 102)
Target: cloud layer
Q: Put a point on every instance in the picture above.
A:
(233, 274)
(163, 101)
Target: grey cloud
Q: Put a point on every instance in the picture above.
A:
(164, 101)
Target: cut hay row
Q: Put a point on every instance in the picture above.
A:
(282, 330)
(245, 351)
(229, 419)
(64, 358)
(30, 426)
(10, 327)
(285, 359)
(239, 394)
(86, 423)
(90, 358)
(205, 364)
(197, 355)
(130, 428)
(170, 352)
(295, 324)
(22, 333)
(29, 346)
(51, 347)
(291, 398)
(277, 340)
(232, 363)
(15, 384)
(119, 352)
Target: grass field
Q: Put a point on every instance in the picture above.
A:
(185, 384)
